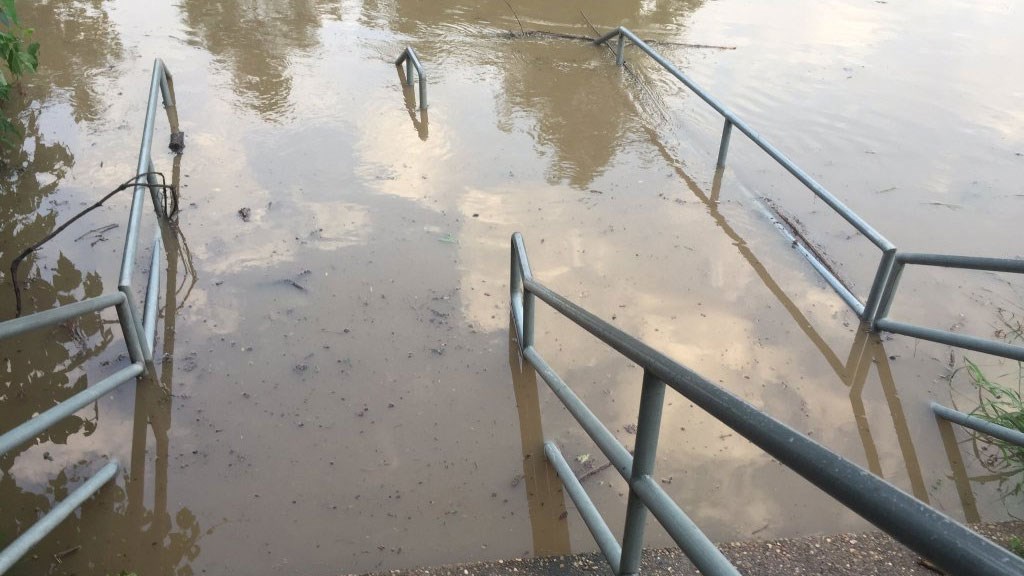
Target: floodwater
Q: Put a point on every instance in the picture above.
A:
(338, 391)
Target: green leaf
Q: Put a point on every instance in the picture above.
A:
(8, 7)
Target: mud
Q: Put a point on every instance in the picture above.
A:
(378, 418)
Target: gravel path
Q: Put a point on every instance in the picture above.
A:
(864, 554)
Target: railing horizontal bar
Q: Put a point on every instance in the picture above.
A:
(410, 54)
(605, 440)
(608, 36)
(33, 427)
(54, 517)
(37, 320)
(849, 215)
(948, 544)
(965, 262)
(1015, 437)
(831, 279)
(694, 543)
(138, 196)
(591, 516)
(953, 339)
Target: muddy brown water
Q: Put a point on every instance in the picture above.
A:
(377, 416)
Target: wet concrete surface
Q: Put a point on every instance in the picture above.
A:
(343, 393)
(857, 554)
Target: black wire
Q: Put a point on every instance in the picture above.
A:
(131, 183)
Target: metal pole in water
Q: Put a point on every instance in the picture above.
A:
(723, 148)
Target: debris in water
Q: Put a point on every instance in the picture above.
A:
(60, 556)
(177, 144)
(594, 472)
(245, 213)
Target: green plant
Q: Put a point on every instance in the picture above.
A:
(20, 57)
(1001, 401)
(1016, 545)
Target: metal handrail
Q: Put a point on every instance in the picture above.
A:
(862, 309)
(882, 322)
(139, 332)
(412, 61)
(875, 309)
(947, 543)
(55, 516)
(1015, 437)
(162, 82)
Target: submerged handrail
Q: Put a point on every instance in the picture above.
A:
(412, 61)
(161, 84)
(947, 543)
(862, 309)
(139, 331)
(55, 516)
(874, 310)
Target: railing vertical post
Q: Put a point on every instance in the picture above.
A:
(131, 335)
(408, 70)
(723, 148)
(423, 91)
(889, 294)
(652, 400)
(620, 51)
(528, 306)
(871, 306)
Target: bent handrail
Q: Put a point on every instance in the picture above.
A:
(412, 61)
(947, 543)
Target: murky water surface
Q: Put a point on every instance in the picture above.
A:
(338, 391)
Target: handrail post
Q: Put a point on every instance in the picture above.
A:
(131, 336)
(889, 293)
(412, 61)
(873, 303)
(620, 51)
(523, 300)
(723, 147)
(652, 401)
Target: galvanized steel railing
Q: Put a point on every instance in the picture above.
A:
(948, 544)
(888, 249)
(412, 61)
(139, 334)
(1015, 437)
(874, 309)
(882, 322)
